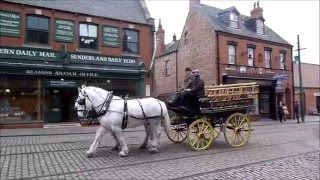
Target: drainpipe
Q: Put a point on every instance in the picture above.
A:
(153, 49)
(218, 58)
(177, 65)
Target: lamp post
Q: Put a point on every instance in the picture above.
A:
(300, 82)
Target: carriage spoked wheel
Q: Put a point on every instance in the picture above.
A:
(237, 129)
(178, 131)
(200, 134)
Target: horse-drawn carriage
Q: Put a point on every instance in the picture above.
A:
(225, 108)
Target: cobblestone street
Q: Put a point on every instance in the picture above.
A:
(274, 151)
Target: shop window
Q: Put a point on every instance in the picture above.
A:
(88, 34)
(20, 100)
(37, 29)
(131, 41)
(167, 67)
(232, 54)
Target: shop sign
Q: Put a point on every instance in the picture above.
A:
(10, 23)
(61, 73)
(279, 84)
(23, 53)
(110, 36)
(63, 30)
(281, 76)
(105, 59)
(62, 83)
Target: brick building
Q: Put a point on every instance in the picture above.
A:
(311, 86)
(49, 48)
(228, 47)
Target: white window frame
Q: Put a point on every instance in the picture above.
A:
(259, 26)
(250, 57)
(267, 58)
(167, 67)
(282, 59)
(232, 54)
(234, 20)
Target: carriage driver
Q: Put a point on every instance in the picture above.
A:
(192, 95)
(187, 84)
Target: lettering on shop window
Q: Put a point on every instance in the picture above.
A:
(61, 73)
(121, 60)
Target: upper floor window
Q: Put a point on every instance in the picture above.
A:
(232, 54)
(88, 34)
(260, 26)
(131, 41)
(37, 29)
(233, 20)
(267, 59)
(167, 67)
(186, 37)
(282, 60)
(250, 56)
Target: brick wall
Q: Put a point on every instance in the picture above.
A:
(310, 99)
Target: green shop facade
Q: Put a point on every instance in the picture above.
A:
(40, 85)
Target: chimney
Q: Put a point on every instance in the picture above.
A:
(193, 2)
(160, 40)
(257, 11)
(174, 38)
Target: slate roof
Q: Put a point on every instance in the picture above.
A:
(171, 47)
(211, 14)
(127, 10)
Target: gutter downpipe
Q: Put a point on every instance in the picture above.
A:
(177, 67)
(218, 58)
(153, 48)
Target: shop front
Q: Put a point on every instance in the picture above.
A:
(35, 88)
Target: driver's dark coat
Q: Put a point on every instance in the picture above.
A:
(197, 86)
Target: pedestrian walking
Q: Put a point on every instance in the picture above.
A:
(280, 111)
(296, 111)
(285, 112)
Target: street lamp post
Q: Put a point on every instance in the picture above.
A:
(300, 82)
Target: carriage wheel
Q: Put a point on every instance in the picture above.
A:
(178, 132)
(237, 129)
(200, 135)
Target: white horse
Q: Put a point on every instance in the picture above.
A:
(149, 112)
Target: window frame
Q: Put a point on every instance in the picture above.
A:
(232, 55)
(258, 21)
(96, 38)
(234, 21)
(267, 59)
(27, 30)
(129, 42)
(252, 56)
(167, 67)
(282, 60)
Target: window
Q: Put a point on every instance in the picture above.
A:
(259, 27)
(232, 54)
(233, 20)
(130, 41)
(167, 67)
(282, 61)
(267, 58)
(37, 29)
(186, 38)
(250, 56)
(88, 36)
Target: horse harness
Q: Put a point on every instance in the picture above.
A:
(125, 112)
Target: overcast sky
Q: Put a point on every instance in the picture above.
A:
(286, 18)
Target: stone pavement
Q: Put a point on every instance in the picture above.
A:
(275, 151)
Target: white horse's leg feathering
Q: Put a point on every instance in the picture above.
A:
(93, 148)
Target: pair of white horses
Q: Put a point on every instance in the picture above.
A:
(94, 98)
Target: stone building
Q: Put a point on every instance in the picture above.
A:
(228, 47)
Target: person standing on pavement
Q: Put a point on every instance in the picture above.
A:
(280, 111)
(296, 111)
(285, 112)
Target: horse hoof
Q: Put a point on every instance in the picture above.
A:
(89, 155)
(115, 148)
(123, 154)
(153, 150)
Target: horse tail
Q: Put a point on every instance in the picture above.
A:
(166, 121)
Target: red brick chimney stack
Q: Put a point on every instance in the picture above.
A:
(257, 11)
(160, 40)
(193, 2)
